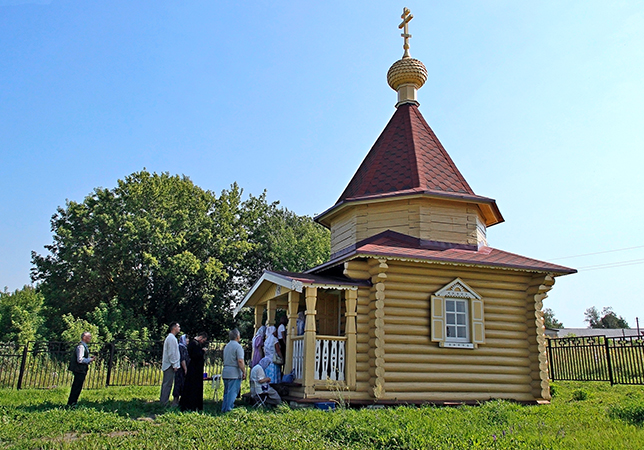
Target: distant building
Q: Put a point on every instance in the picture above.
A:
(608, 332)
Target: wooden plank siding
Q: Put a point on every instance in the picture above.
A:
(423, 218)
(396, 358)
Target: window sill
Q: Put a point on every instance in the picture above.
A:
(458, 345)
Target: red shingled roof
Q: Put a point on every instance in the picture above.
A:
(406, 157)
(392, 244)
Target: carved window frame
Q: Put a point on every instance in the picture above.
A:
(459, 291)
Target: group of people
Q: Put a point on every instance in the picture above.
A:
(183, 362)
(182, 365)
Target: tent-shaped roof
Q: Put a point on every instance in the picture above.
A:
(407, 159)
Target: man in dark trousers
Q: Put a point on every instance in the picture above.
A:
(78, 365)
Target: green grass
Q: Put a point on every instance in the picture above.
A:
(604, 417)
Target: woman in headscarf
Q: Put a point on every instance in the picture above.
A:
(259, 383)
(258, 346)
(271, 349)
(180, 375)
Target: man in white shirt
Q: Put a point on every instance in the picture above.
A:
(170, 362)
(259, 383)
(78, 365)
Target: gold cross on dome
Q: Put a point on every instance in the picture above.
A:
(406, 17)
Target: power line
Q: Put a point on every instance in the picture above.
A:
(613, 264)
(598, 253)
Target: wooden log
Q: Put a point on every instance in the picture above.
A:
(357, 274)
(422, 340)
(407, 295)
(403, 321)
(506, 325)
(504, 342)
(466, 366)
(498, 358)
(456, 396)
(504, 318)
(506, 335)
(407, 330)
(432, 377)
(407, 303)
(398, 311)
(492, 308)
(489, 388)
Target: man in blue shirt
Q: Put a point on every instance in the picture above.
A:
(78, 365)
(234, 370)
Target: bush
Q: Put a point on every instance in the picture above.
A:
(632, 413)
(579, 395)
(553, 390)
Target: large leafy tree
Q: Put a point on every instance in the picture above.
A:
(156, 245)
(158, 248)
(606, 319)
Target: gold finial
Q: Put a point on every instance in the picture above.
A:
(406, 17)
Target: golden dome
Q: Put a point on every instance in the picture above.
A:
(407, 71)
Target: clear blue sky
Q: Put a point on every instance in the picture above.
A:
(540, 104)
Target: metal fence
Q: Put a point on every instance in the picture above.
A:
(43, 365)
(619, 360)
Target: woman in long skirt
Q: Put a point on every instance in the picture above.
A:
(272, 348)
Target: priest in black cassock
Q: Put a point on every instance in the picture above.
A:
(192, 397)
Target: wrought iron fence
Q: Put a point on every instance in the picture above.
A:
(619, 360)
(42, 365)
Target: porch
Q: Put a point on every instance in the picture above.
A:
(323, 358)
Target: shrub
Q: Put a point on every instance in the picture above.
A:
(632, 413)
(579, 395)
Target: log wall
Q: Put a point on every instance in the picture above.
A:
(396, 360)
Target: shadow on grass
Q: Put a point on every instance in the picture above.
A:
(136, 408)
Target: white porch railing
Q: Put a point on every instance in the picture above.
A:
(298, 356)
(330, 357)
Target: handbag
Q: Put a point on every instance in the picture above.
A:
(277, 359)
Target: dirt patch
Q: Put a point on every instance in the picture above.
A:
(121, 433)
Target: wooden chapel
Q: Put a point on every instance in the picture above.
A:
(413, 306)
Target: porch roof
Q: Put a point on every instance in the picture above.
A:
(400, 246)
(294, 281)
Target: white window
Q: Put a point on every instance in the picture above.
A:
(456, 320)
(457, 316)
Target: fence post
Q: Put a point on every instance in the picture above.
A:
(550, 364)
(23, 363)
(109, 364)
(608, 361)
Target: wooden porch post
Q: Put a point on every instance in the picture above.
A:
(291, 329)
(272, 307)
(351, 299)
(309, 341)
(259, 313)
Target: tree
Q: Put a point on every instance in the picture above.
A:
(20, 315)
(550, 321)
(607, 318)
(157, 248)
(281, 240)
